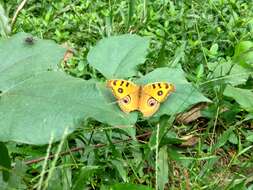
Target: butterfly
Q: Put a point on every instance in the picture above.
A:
(146, 99)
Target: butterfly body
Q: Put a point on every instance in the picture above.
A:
(145, 98)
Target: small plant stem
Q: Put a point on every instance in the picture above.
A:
(20, 7)
(157, 156)
(215, 121)
(45, 163)
(52, 167)
(145, 11)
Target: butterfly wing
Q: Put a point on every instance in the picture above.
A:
(127, 94)
(148, 105)
(152, 95)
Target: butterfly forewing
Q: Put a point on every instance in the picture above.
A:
(122, 88)
(159, 90)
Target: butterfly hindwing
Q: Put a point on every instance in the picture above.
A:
(130, 102)
(152, 95)
(148, 105)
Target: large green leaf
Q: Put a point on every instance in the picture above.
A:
(36, 102)
(237, 70)
(21, 60)
(118, 56)
(243, 97)
(230, 72)
(223, 138)
(185, 95)
(5, 162)
(244, 53)
(49, 102)
(16, 179)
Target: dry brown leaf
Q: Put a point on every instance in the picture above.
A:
(189, 141)
(68, 54)
(187, 179)
(232, 152)
(192, 114)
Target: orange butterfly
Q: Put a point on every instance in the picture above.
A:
(145, 98)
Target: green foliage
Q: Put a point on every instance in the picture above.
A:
(5, 28)
(244, 53)
(36, 96)
(243, 96)
(162, 168)
(205, 48)
(5, 162)
(84, 175)
(128, 187)
(16, 179)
